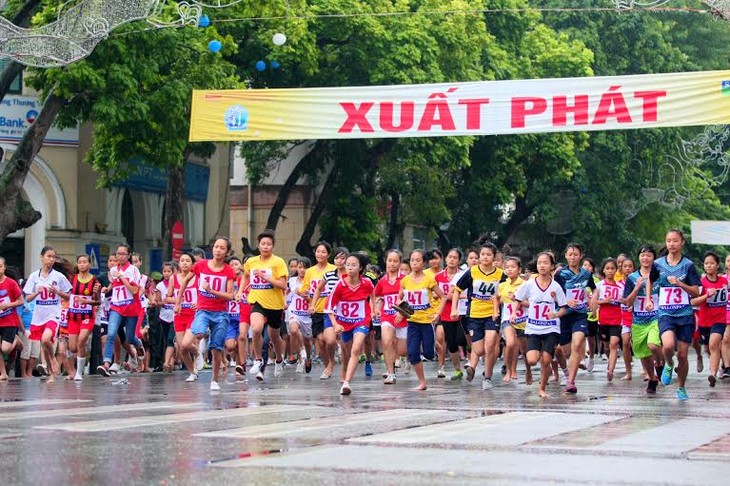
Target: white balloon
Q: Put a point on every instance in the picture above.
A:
(279, 39)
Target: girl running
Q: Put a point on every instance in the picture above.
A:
(448, 327)
(81, 319)
(627, 268)
(678, 283)
(607, 295)
(482, 281)
(267, 274)
(299, 320)
(215, 280)
(234, 315)
(10, 324)
(244, 323)
(642, 295)
(46, 288)
(420, 291)
(351, 305)
(713, 311)
(546, 304)
(386, 294)
(513, 330)
(183, 318)
(167, 315)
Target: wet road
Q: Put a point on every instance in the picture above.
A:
(157, 429)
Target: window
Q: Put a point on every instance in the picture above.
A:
(16, 87)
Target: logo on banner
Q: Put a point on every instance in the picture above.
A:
(726, 88)
(236, 118)
(31, 116)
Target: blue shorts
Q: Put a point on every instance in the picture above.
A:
(682, 326)
(347, 336)
(216, 322)
(233, 329)
(570, 324)
(478, 326)
(327, 321)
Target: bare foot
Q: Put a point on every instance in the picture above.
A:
(528, 380)
(543, 393)
(3, 377)
(506, 378)
(421, 387)
(609, 375)
(627, 377)
(67, 378)
(51, 378)
(55, 369)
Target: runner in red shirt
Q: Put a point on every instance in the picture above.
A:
(394, 335)
(10, 298)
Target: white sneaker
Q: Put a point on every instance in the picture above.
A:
(260, 376)
(441, 373)
(199, 362)
(256, 367)
(345, 390)
(278, 369)
(300, 366)
(114, 368)
(487, 384)
(408, 368)
(77, 377)
(564, 379)
(232, 363)
(191, 378)
(214, 386)
(589, 365)
(389, 380)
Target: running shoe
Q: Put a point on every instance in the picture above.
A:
(469, 373)
(700, 364)
(682, 394)
(278, 369)
(292, 359)
(199, 363)
(368, 369)
(99, 369)
(658, 370)
(240, 370)
(191, 378)
(457, 375)
(300, 367)
(589, 365)
(398, 362)
(504, 370)
(725, 373)
(324, 376)
(441, 373)
(114, 368)
(385, 374)
(345, 389)
(666, 375)
(362, 358)
(408, 368)
(570, 387)
(307, 365)
(651, 387)
(389, 380)
(78, 377)
(712, 380)
(564, 378)
(214, 386)
(260, 376)
(256, 367)
(487, 384)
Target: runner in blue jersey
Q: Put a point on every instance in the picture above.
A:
(678, 282)
(575, 281)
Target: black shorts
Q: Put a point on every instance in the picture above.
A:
(609, 331)
(8, 334)
(317, 324)
(103, 329)
(592, 328)
(377, 331)
(545, 343)
(272, 316)
(706, 332)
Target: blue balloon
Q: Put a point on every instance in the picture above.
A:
(215, 46)
(275, 65)
(261, 66)
(204, 21)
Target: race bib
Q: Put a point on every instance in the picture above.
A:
(77, 305)
(517, 310)
(482, 290)
(64, 318)
(640, 309)
(350, 312)
(578, 295)
(215, 282)
(418, 299)
(719, 299)
(121, 296)
(389, 302)
(258, 282)
(299, 306)
(539, 315)
(5, 300)
(672, 298)
(462, 307)
(189, 299)
(611, 292)
(234, 308)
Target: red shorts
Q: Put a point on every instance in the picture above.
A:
(75, 327)
(182, 322)
(36, 332)
(245, 315)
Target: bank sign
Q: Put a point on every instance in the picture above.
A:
(18, 112)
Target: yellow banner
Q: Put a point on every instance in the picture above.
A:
(457, 109)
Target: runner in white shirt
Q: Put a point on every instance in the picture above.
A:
(46, 288)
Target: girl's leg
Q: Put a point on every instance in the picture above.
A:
(612, 356)
(545, 368)
(628, 361)
(356, 347)
(715, 341)
(510, 352)
(389, 350)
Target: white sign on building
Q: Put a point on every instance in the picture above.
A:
(18, 112)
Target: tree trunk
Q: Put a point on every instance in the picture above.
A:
(12, 68)
(521, 213)
(306, 165)
(15, 212)
(174, 206)
(394, 227)
(304, 246)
